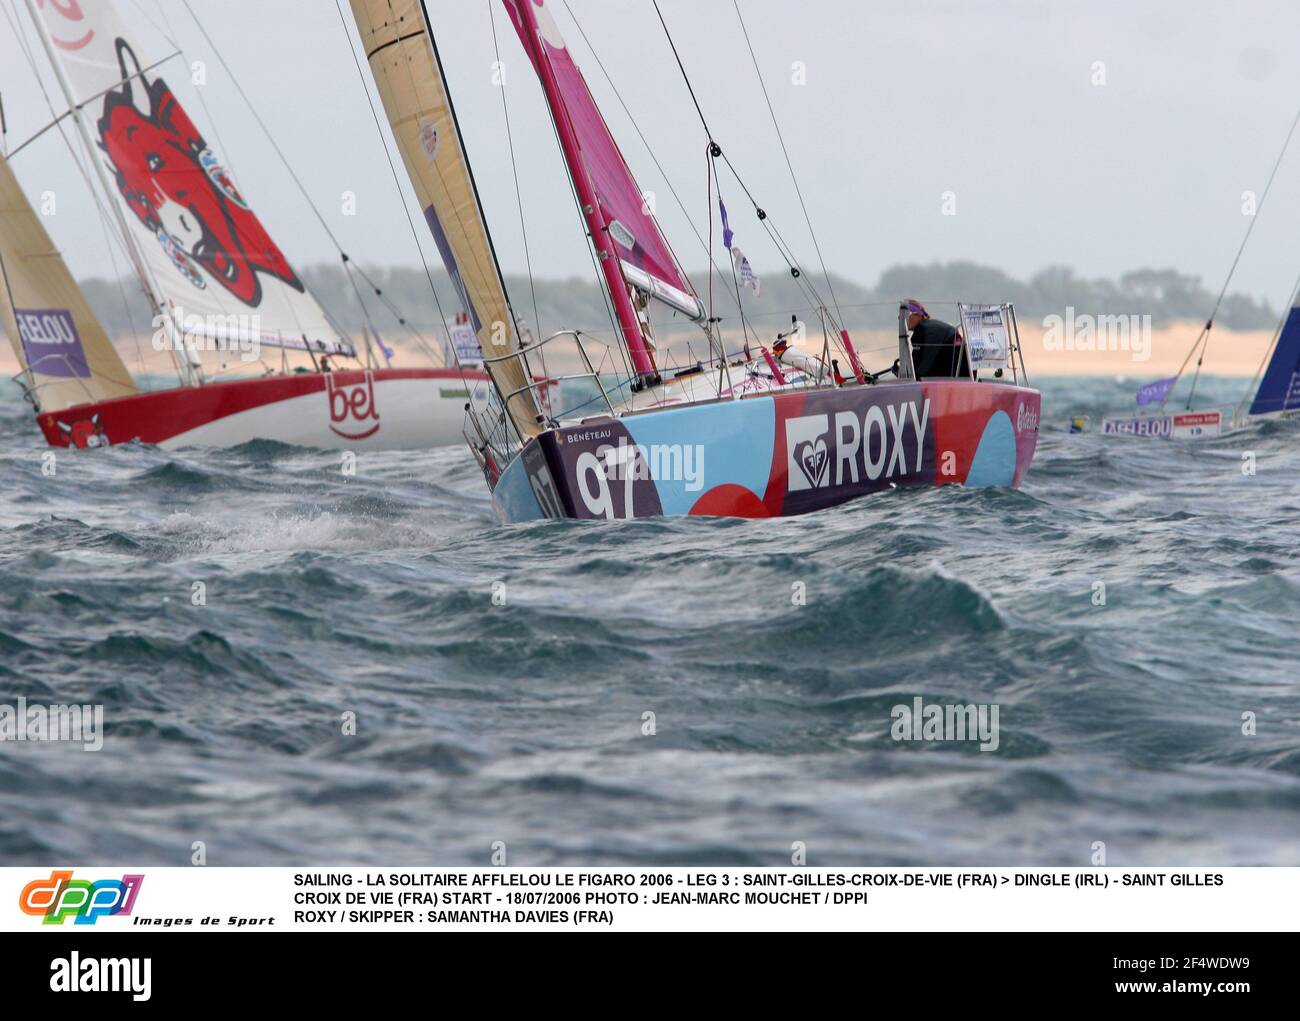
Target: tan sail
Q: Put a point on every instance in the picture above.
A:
(66, 356)
(406, 70)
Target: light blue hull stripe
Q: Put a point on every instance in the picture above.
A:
(733, 439)
(994, 463)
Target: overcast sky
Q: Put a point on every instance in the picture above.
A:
(993, 100)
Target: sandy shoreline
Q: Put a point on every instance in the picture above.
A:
(1229, 354)
(1156, 356)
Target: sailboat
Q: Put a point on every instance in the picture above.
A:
(215, 279)
(1274, 393)
(769, 433)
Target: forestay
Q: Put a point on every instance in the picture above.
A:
(404, 61)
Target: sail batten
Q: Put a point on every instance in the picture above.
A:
(400, 49)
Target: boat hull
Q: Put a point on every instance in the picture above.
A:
(383, 409)
(777, 454)
(1181, 425)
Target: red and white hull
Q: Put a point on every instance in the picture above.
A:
(382, 409)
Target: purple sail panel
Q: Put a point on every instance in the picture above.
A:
(51, 342)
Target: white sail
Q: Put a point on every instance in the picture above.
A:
(201, 250)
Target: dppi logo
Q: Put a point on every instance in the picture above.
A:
(61, 896)
(355, 402)
(821, 454)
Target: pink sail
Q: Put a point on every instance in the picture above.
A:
(644, 255)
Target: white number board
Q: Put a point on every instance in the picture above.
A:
(985, 329)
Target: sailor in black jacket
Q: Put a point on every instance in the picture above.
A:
(938, 350)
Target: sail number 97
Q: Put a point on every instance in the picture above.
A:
(596, 472)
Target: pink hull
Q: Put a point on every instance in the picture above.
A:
(383, 409)
(775, 455)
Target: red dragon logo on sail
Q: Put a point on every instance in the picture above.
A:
(173, 183)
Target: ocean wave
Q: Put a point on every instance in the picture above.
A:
(499, 678)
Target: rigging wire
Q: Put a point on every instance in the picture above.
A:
(341, 333)
(170, 36)
(106, 223)
(707, 246)
(514, 166)
(1268, 353)
(397, 184)
(651, 215)
(783, 248)
(735, 280)
(519, 198)
(606, 297)
(786, 152)
(334, 240)
(1203, 341)
(59, 118)
(682, 67)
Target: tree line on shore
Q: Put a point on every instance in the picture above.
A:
(1166, 295)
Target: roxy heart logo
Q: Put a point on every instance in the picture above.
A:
(806, 452)
(812, 459)
(352, 407)
(86, 901)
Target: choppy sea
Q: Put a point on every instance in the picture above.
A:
(1132, 612)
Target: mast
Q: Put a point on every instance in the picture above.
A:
(597, 226)
(473, 187)
(189, 371)
(398, 42)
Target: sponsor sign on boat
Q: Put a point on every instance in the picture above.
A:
(51, 342)
(464, 342)
(987, 344)
(1187, 424)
